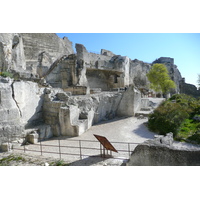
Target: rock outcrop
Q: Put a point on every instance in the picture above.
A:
(162, 152)
(189, 89)
(28, 53)
(73, 115)
(182, 86)
(130, 102)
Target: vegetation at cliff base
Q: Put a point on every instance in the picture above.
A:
(181, 115)
(160, 79)
(7, 160)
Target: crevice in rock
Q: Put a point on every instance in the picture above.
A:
(13, 96)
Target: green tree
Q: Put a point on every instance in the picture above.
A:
(159, 79)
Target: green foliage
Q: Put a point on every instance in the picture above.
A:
(190, 102)
(6, 161)
(6, 74)
(167, 118)
(177, 115)
(59, 163)
(159, 79)
(189, 131)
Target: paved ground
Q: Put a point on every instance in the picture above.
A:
(126, 130)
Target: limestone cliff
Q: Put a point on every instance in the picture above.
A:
(65, 93)
(31, 52)
(189, 89)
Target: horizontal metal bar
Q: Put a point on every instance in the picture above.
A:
(28, 150)
(69, 154)
(82, 140)
(90, 141)
(125, 142)
(62, 153)
(44, 145)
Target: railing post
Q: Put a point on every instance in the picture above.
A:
(104, 154)
(80, 149)
(59, 148)
(24, 144)
(9, 141)
(100, 149)
(129, 150)
(41, 147)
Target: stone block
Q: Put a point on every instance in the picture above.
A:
(32, 138)
(45, 132)
(6, 146)
(164, 140)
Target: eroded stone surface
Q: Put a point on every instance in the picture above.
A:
(161, 152)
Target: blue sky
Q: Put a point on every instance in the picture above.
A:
(183, 47)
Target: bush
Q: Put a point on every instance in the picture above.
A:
(189, 130)
(177, 115)
(167, 118)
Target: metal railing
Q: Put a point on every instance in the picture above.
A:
(77, 148)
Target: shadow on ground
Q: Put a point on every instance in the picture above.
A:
(110, 120)
(143, 131)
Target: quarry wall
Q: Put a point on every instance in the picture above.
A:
(73, 115)
(65, 93)
(20, 106)
(23, 50)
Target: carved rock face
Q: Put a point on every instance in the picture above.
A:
(25, 50)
